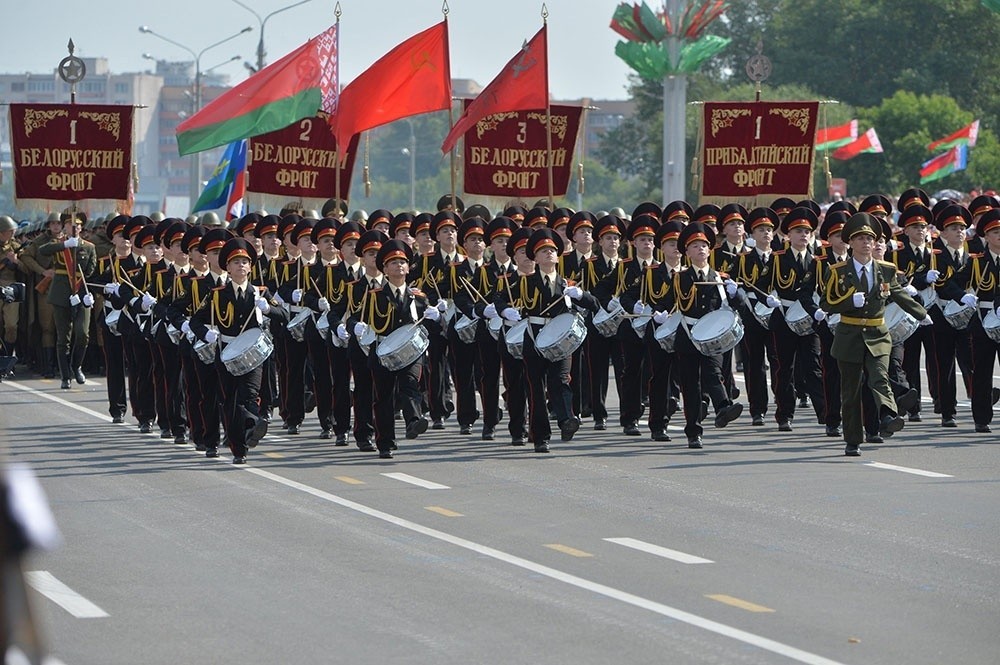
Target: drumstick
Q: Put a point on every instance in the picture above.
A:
(551, 305)
(754, 288)
(470, 287)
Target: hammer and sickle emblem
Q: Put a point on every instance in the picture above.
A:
(523, 62)
(420, 60)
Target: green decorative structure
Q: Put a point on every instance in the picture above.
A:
(668, 46)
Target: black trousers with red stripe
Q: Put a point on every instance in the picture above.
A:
(402, 385)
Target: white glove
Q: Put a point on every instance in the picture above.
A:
(342, 331)
(442, 306)
(638, 308)
(970, 300)
(262, 304)
(211, 335)
(511, 314)
(574, 292)
(278, 299)
(926, 321)
(88, 300)
(772, 301)
(359, 329)
(432, 314)
(661, 317)
(910, 289)
(71, 242)
(932, 275)
(111, 288)
(323, 304)
(490, 311)
(185, 326)
(296, 296)
(819, 315)
(74, 300)
(730, 287)
(859, 300)
(750, 242)
(147, 302)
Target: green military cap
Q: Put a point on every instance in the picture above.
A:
(861, 223)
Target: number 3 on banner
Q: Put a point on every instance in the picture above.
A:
(306, 126)
(522, 132)
(757, 136)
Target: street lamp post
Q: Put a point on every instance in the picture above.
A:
(261, 53)
(195, 157)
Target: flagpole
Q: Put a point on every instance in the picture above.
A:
(548, 113)
(336, 185)
(452, 166)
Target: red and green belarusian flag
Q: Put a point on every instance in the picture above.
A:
(867, 142)
(829, 138)
(966, 136)
(295, 87)
(956, 159)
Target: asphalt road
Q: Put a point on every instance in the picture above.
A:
(760, 548)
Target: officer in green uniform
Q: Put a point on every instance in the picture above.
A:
(859, 289)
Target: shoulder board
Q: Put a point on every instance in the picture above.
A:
(219, 288)
(820, 257)
(418, 293)
(887, 264)
(375, 290)
(592, 259)
(163, 272)
(839, 265)
(628, 259)
(935, 251)
(976, 256)
(778, 252)
(723, 275)
(290, 262)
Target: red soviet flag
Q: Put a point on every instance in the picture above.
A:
(413, 78)
(523, 85)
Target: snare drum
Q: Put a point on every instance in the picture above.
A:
(205, 350)
(666, 333)
(928, 297)
(248, 351)
(514, 339)
(297, 326)
(323, 326)
(640, 322)
(367, 339)
(717, 332)
(763, 313)
(991, 325)
(900, 324)
(560, 337)
(495, 326)
(465, 328)
(798, 319)
(111, 320)
(606, 321)
(402, 347)
(957, 314)
(174, 334)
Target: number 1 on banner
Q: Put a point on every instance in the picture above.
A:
(72, 132)
(757, 136)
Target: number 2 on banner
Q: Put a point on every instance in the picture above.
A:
(757, 135)
(72, 132)
(306, 126)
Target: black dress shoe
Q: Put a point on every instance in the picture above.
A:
(803, 402)
(240, 459)
(341, 440)
(145, 428)
(258, 432)
(907, 401)
(200, 447)
(519, 441)
(889, 425)
(852, 451)
(65, 384)
(983, 429)
(78, 375)
(542, 447)
(728, 414)
(632, 430)
(366, 447)
(996, 395)
(874, 438)
(438, 423)
(834, 431)
(600, 424)
(327, 433)
(465, 429)
(948, 422)
(695, 443)
(488, 434)
(758, 421)
(914, 418)
(568, 428)
(293, 429)
(166, 434)
(784, 426)
(660, 435)
(117, 419)
(180, 439)
(704, 410)
(385, 454)
(417, 427)
(211, 452)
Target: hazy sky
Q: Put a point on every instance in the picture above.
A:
(483, 34)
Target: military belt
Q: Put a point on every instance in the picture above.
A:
(854, 321)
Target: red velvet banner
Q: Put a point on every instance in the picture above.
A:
(505, 153)
(71, 152)
(757, 149)
(299, 162)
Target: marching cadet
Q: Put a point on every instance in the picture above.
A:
(642, 235)
(917, 261)
(232, 309)
(655, 290)
(793, 278)
(544, 295)
(580, 230)
(294, 283)
(696, 297)
(266, 274)
(109, 271)
(731, 225)
(390, 307)
(40, 267)
(399, 228)
(601, 350)
(423, 242)
(10, 270)
(538, 217)
(753, 271)
(73, 261)
(836, 251)
(515, 388)
(781, 207)
(859, 290)
(977, 284)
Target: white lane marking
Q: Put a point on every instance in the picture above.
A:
(752, 639)
(58, 400)
(413, 480)
(46, 584)
(906, 469)
(658, 551)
